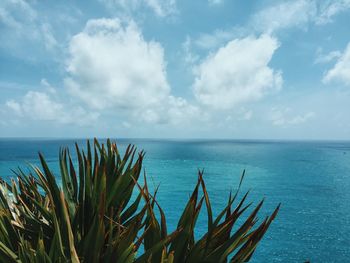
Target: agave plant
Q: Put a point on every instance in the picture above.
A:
(93, 216)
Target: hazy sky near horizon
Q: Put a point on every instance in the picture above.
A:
(175, 69)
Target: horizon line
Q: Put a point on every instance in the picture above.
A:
(175, 139)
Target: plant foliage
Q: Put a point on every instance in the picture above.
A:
(94, 216)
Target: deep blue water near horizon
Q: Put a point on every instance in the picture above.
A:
(310, 179)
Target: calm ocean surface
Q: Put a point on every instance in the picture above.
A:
(310, 179)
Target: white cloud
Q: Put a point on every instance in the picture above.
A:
(237, 73)
(188, 56)
(23, 25)
(111, 66)
(40, 106)
(14, 106)
(159, 7)
(14, 13)
(175, 110)
(17, 15)
(326, 58)
(298, 13)
(47, 86)
(284, 15)
(216, 38)
(341, 70)
(328, 9)
(285, 117)
(49, 40)
(162, 7)
(278, 16)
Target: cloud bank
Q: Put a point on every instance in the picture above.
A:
(41, 106)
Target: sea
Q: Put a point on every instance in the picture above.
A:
(311, 180)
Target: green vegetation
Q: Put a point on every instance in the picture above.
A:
(94, 217)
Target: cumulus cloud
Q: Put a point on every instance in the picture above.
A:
(285, 117)
(237, 73)
(40, 106)
(111, 66)
(159, 7)
(341, 70)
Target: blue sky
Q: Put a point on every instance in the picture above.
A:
(175, 69)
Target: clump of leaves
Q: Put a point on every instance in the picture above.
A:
(93, 216)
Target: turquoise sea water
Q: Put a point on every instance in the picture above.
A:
(310, 179)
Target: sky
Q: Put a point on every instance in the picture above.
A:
(175, 69)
